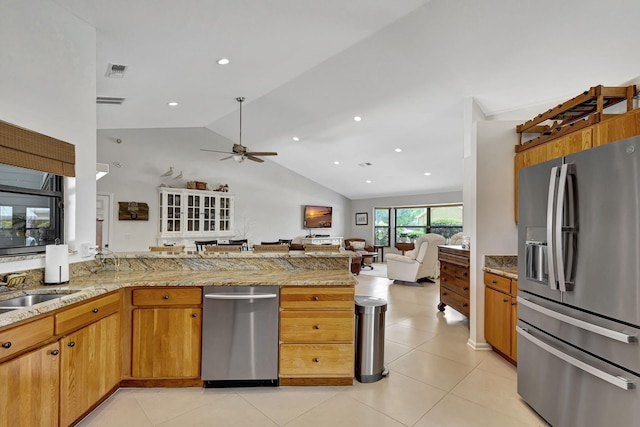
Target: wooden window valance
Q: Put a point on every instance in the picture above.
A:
(32, 150)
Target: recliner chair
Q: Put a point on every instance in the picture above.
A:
(420, 263)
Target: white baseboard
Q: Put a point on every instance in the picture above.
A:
(479, 346)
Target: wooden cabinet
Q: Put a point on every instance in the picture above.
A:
(29, 385)
(454, 278)
(195, 213)
(90, 366)
(166, 331)
(316, 335)
(501, 314)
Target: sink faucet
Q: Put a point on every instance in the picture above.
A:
(104, 256)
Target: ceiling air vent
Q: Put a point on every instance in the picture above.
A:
(109, 100)
(116, 71)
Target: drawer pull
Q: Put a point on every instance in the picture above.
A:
(444, 293)
(95, 310)
(194, 315)
(165, 297)
(494, 282)
(465, 305)
(55, 352)
(505, 300)
(466, 288)
(72, 344)
(317, 360)
(316, 298)
(317, 327)
(6, 344)
(513, 303)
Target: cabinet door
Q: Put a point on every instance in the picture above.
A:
(497, 320)
(90, 366)
(166, 342)
(29, 388)
(225, 214)
(171, 212)
(193, 220)
(209, 213)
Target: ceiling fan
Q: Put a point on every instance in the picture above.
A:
(239, 152)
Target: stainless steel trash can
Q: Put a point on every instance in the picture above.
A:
(369, 334)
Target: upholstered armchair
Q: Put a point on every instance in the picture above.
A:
(422, 262)
(456, 239)
(360, 245)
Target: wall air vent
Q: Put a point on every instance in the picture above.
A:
(109, 100)
(365, 164)
(116, 71)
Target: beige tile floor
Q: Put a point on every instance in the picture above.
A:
(434, 379)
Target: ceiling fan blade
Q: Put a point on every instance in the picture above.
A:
(226, 158)
(216, 151)
(261, 153)
(255, 159)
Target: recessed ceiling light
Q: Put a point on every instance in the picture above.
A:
(336, 162)
(427, 173)
(296, 139)
(357, 118)
(368, 181)
(172, 104)
(223, 61)
(398, 150)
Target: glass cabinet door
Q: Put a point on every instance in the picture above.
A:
(209, 210)
(173, 212)
(225, 214)
(193, 212)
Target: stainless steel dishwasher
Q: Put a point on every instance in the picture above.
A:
(240, 336)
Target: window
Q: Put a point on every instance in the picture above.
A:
(30, 210)
(411, 222)
(382, 227)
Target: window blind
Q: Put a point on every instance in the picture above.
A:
(32, 150)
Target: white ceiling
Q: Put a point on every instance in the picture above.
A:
(307, 67)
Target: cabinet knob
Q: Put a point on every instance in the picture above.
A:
(165, 297)
(55, 352)
(317, 327)
(444, 279)
(444, 293)
(72, 344)
(494, 282)
(6, 344)
(465, 304)
(316, 298)
(194, 315)
(465, 288)
(464, 274)
(513, 303)
(317, 360)
(95, 310)
(505, 300)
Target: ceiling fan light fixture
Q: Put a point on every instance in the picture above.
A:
(223, 61)
(238, 158)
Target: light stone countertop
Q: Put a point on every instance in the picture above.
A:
(503, 265)
(187, 270)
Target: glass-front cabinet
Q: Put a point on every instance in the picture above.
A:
(195, 213)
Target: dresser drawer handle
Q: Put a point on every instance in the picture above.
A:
(194, 315)
(317, 360)
(465, 304)
(465, 288)
(72, 344)
(95, 310)
(6, 344)
(165, 297)
(494, 282)
(444, 293)
(316, 327)
(316, 298)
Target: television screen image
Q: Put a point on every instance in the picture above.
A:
(317, 216)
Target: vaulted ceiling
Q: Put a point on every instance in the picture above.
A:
(308, 67)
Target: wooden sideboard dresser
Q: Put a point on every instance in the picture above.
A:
(454, 278)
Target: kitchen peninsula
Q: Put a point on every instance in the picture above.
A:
(139, 325)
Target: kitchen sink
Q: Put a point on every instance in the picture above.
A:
(5, 310)
(28, 300)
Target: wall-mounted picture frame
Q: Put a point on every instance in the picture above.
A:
(362, 218)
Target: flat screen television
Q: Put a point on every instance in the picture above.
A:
(317, 216)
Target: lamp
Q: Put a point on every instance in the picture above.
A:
(238, 158)
(101, 170)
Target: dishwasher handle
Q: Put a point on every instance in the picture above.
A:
(240, 296)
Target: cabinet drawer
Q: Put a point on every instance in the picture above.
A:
(456, 285)
(167, 296)
(454, 256)
(499, 283)
(316, 360)
(15, 340)
(305, 297)
(455, 301)
(305, 326)
(86, 313)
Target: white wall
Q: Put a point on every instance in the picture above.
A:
(48, 85)
(269, 199)
(489, 208)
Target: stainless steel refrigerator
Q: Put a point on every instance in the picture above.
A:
(579, 287)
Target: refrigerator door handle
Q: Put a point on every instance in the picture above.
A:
(608, 333)
(557, 227)
(550, 246)
(618, 381)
